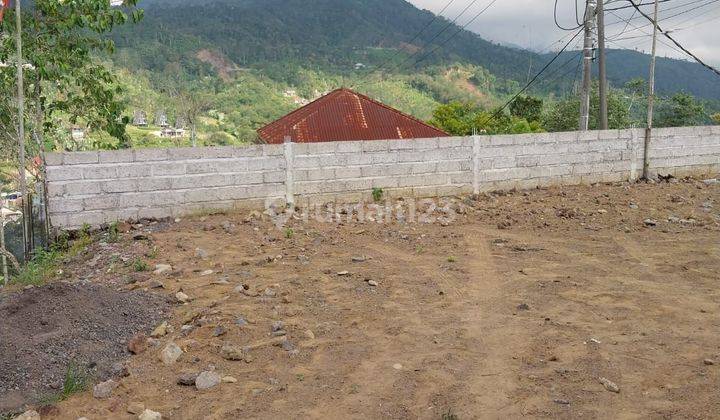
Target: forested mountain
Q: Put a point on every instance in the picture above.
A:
(337, 34)
(234, 65)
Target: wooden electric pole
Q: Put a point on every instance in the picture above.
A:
(27, 218)
(587, 66)
(601, 64)
(651, 96)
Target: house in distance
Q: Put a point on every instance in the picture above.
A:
(345, 115)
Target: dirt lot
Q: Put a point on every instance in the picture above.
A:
(517, 308)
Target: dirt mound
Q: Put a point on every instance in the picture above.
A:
(44, 330)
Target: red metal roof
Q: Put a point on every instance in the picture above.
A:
(344, 115)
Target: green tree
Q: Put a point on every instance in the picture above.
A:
(462, 119)
(679, 110)
(65, 82)
(456, 118)
(716, 118)
(564, 115)
(527, 107)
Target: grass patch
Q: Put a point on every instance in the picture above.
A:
(76, 380)
(377, 194)
(449, 415)
(45, 263)
(140, 265)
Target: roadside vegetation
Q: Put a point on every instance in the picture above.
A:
(47, 263)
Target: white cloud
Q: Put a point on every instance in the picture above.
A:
(530, 24)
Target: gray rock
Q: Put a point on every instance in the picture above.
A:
(650, 222)
(104, 390)
(170, 353)
(218, 331)
(523, 307)
(359, 259)
(609, 385)
(372, 283)
(709, 362)
(207, 380)
(201, 253)
(240, 321)
(561, 401)
(713, 181)
(162, 268)
(187, 379)
(230, 352)
(150, 415)
(277, 326)
(119, 370)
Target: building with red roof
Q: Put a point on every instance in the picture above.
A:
(345, 115)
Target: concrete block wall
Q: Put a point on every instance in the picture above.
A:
(102, 187)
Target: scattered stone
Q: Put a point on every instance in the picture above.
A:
(136, 408)
(230, 352)
(218, 331)
(104, 390)
(29, 415)
(229, 227)
(137, 344)
(207, 380)
(140, 237)
(343, 273)
(119, 370)
(228, 380)
(240, 321)
(279, 333)
(269, 292)
(523, 307)
(709, 362)
(160, 331)
(602, 211)
(170, 353)
(287, 346)
(609, 385)
(201, 253)
(594, 341)
(634, 206)
(155, 284)
(309, 334)
(187, 379)
(713, 181)
(206, 273)
(277, 326)
(162, 269)
(359, 259)
(397, 366)
(150, 415)
(372, 283)
(650, 222)
(182, 297)
(561, 401)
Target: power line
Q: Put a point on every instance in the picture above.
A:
(527, 86)
(427, 44)
(415, 38)
(460, 29)
(557, 23)
(713, 69)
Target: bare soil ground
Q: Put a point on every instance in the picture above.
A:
(517, 308)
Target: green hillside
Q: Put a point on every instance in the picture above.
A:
(251, 61)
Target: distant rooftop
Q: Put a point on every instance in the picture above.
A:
(345, 115)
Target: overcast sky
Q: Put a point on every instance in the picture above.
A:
(530, 24)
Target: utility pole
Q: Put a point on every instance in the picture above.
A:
(601, 64)
(651, 96)
(587, 66)
(27, 218)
